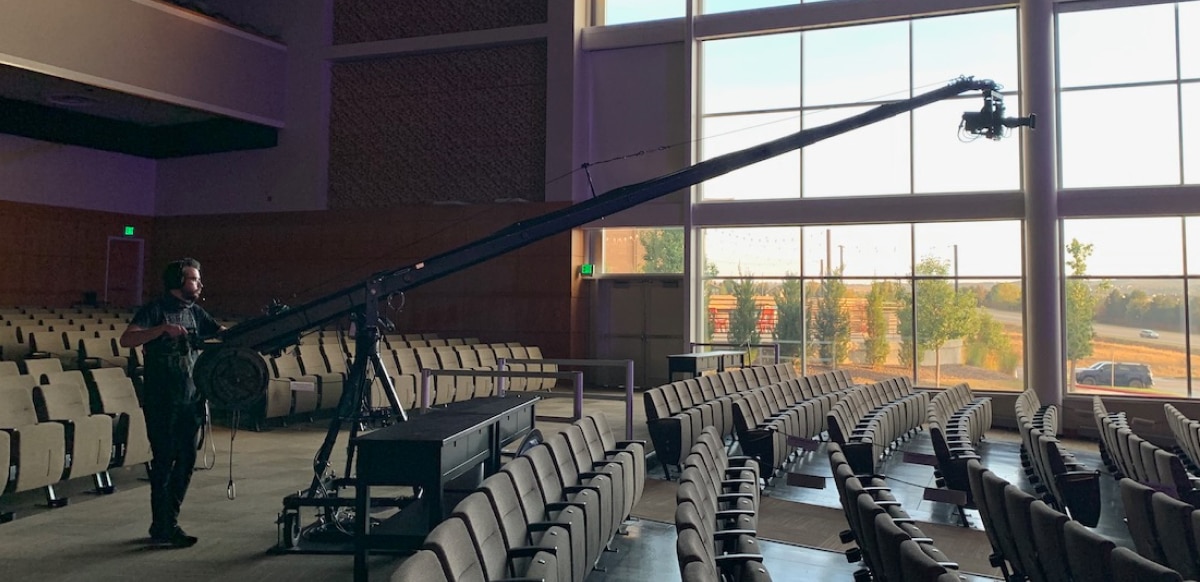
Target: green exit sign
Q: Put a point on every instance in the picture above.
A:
(587, 269)
(128, 231)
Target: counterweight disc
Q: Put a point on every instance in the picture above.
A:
(233, 378)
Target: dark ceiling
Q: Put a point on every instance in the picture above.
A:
(57, 110)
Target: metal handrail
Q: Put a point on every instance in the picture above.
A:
(627, 364)
(427, 373)
(774, 347)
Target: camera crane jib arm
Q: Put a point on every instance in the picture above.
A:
(275, 332)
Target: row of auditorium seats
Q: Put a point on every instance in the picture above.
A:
(888, 542)
(1187, 436)
(676, 412)
(870, 420)
(1128, 455)
(312, 376)
(62, 425)
(957, 421)
(548, 514)
(1034, 541)
(424, 340)
(1163, 529)
(58, 340)
(773, 422)
(1057, 476)
(716, 515)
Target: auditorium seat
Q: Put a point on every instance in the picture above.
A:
(37, 450)
(289, 382)
(1088, 553)
(583, 496)
(8, 368)
(88, 437)
(546, 509)
(505, 504)
(100, 352)
(451, 541)
(1048, 535)
(36, 367)
(1139, 518)
(1173, 524)
(917, 566)
(1016, 504)
(1128, 566)
(423, 565)
(118, 399)
(496, 558)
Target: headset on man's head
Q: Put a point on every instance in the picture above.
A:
(173, 277)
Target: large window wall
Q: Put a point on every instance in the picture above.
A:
(937, 302)
(1130, 84)
(807, 79)
(937, 292)
(1131, 295)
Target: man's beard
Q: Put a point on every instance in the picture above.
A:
(189, 296)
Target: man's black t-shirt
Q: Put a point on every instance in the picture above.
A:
(169, 361)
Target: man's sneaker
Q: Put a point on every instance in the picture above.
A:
(176, 539)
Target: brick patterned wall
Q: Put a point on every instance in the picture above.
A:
(372, 20)
(50, 256)
(467, 126)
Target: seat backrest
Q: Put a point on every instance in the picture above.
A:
(506, 505)
(65, 377)
(16, 408)
(1088, 553)
(117, 395)
(1128, 566)
(993, 491)
(451, 541)
(37, 367)
(1135, 499)
(423, 565)
(19, 382)
(490, 549)
(1048, 535)
(61, 402)
(1172, 522)
(1016, 504)
(9, 368)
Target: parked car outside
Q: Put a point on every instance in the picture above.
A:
(1115, 374)
(1148, 333)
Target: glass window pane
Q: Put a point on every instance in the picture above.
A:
(938, 54)
(872, 250)
(778, 177)
(871, 308)
(759, 252)
(943, 163)
(715, 6)
(939, 320)
(1121, 45)
(1194, 330)
(1192, 223)
(1139, 325)
(1189, 39)
(972, 249)
(1123, 247)
(642, 250)
(623, 11)
(856, 64)
(1191, 133)
(1141, 150)
(868, 161)
(751, 74)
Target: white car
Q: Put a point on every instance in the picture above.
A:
(1148, 333)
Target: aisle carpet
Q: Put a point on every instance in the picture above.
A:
(816, 526)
